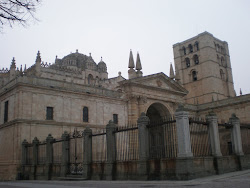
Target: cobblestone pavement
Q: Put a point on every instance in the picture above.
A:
(230, 180)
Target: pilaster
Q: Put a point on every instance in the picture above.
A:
(143, 140)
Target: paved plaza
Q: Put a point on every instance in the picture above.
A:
(230, 180)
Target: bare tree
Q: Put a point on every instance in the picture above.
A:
(17, 11)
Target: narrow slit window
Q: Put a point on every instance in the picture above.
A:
(85, 114)
(115, 118)
(6, 111)
(194, 74)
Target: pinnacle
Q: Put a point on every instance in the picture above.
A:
(138, 62)
(131, 63)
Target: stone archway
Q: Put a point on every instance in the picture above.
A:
(157, 112)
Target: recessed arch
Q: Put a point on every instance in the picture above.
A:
(157, 112)
(90, 79)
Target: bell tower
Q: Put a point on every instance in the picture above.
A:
(204, 68)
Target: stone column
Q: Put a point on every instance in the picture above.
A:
(215, 141)
(236, 140)
(143, 139)
(111, 150)
(184, 161)
(35, 143)
(49, 156)
(65, 154)
(236, 135)
(214, 134)
(183, 133)
(87, 153)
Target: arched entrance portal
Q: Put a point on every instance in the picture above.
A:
(157, 112)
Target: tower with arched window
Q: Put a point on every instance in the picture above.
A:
(204, 67)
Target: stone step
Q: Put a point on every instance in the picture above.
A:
(72, 178)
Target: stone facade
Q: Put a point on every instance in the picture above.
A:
(51, 98)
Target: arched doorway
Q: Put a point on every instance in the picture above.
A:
(157, 111)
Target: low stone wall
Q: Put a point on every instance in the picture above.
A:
(8, 172)
(203, 166)
(157, 169)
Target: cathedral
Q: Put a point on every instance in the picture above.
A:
(76, 92)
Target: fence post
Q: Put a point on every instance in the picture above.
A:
(65, 154)
(24, 158)
(87, 153)
(183, 133)
(184, 161)
(49, 156)
(236, 139)
(142, 122)
(35, 143)
(111, 150)
(214, 134)
(215, 141)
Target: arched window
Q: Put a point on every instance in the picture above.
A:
(85, 114)
(196, 44)
(90, 79)
(194, 75)
(196, 59)
(184, 50)
(187, 60)
(222, 61)
(222, 75)
(190, 47)
(222, 50)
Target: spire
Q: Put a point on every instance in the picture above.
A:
(25, 70)
(171, 72)
(138, 62)
(38, 57)
(131, 63)
(21, 68)
(13, 64)
(240, 92)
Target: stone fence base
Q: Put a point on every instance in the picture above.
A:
(162, 169)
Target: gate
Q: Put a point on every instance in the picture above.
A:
(76, 152)
(162, 139)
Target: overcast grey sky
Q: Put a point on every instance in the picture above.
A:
(110, 28)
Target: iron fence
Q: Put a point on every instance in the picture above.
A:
(76, 152)
(225, 139)
(163, 139)
(57, 151)
(127, 143)
(29, 154)
(245, 137)
(199, 137)
(99, 150)
(41, 153)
